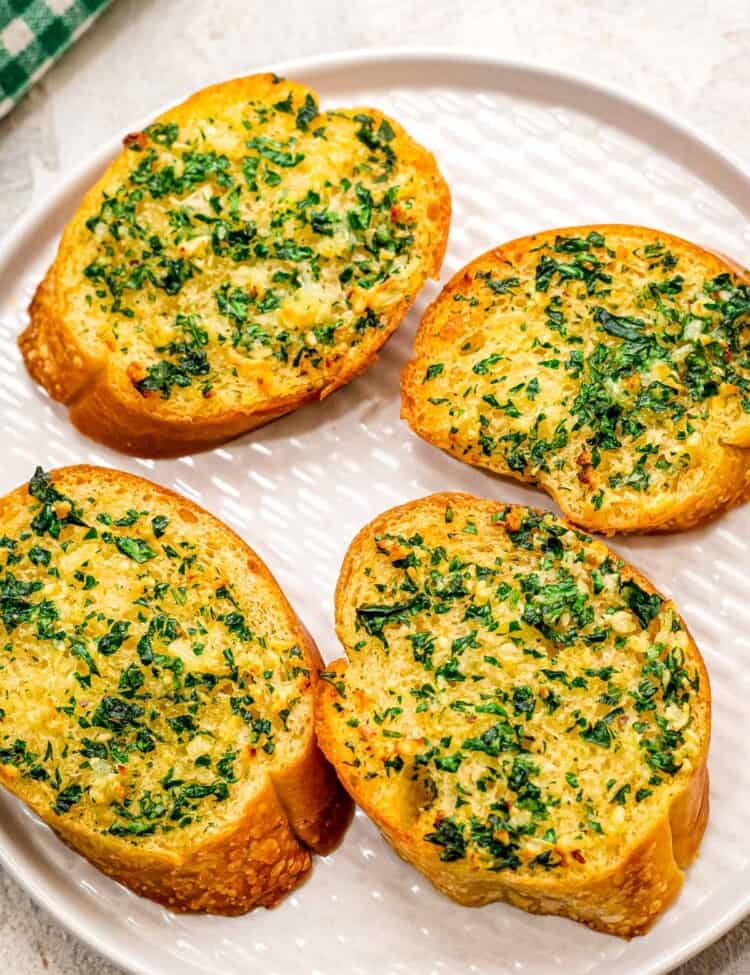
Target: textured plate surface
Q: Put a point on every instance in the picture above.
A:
(522, 150)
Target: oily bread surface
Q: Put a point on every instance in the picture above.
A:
(245, 254)
(614, 375)
(619, 866)
(141, 693)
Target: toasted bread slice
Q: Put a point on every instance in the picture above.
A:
(522, 715)
(609, 365)
(245, 254)
(156, 694)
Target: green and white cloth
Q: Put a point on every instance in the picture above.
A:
(33, 35)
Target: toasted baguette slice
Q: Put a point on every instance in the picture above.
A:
(156, 694)
(521, 714)
(244, 254)
(609, 365)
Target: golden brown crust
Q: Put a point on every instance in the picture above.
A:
(314, 800)
(255, 863)
(727, 478)
(299, 809)
(624, 900)
(113, 412)
(49, 349)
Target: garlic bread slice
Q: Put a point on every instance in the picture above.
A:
(156, 694)
(610, 365)
(521, 714)
(244, 254)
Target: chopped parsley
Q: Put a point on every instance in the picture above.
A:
(124, 703)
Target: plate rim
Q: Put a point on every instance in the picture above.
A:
(310, 68)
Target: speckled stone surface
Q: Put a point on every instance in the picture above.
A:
(689, 56)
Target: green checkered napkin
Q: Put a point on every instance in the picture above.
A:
(33, 35)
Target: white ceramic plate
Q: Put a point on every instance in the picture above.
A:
(522, 149)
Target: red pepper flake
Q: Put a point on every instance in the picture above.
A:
(137, 140)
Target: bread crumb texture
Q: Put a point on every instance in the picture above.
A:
(156, 692)
(243, 254)
(608, 365)
(521, 713)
